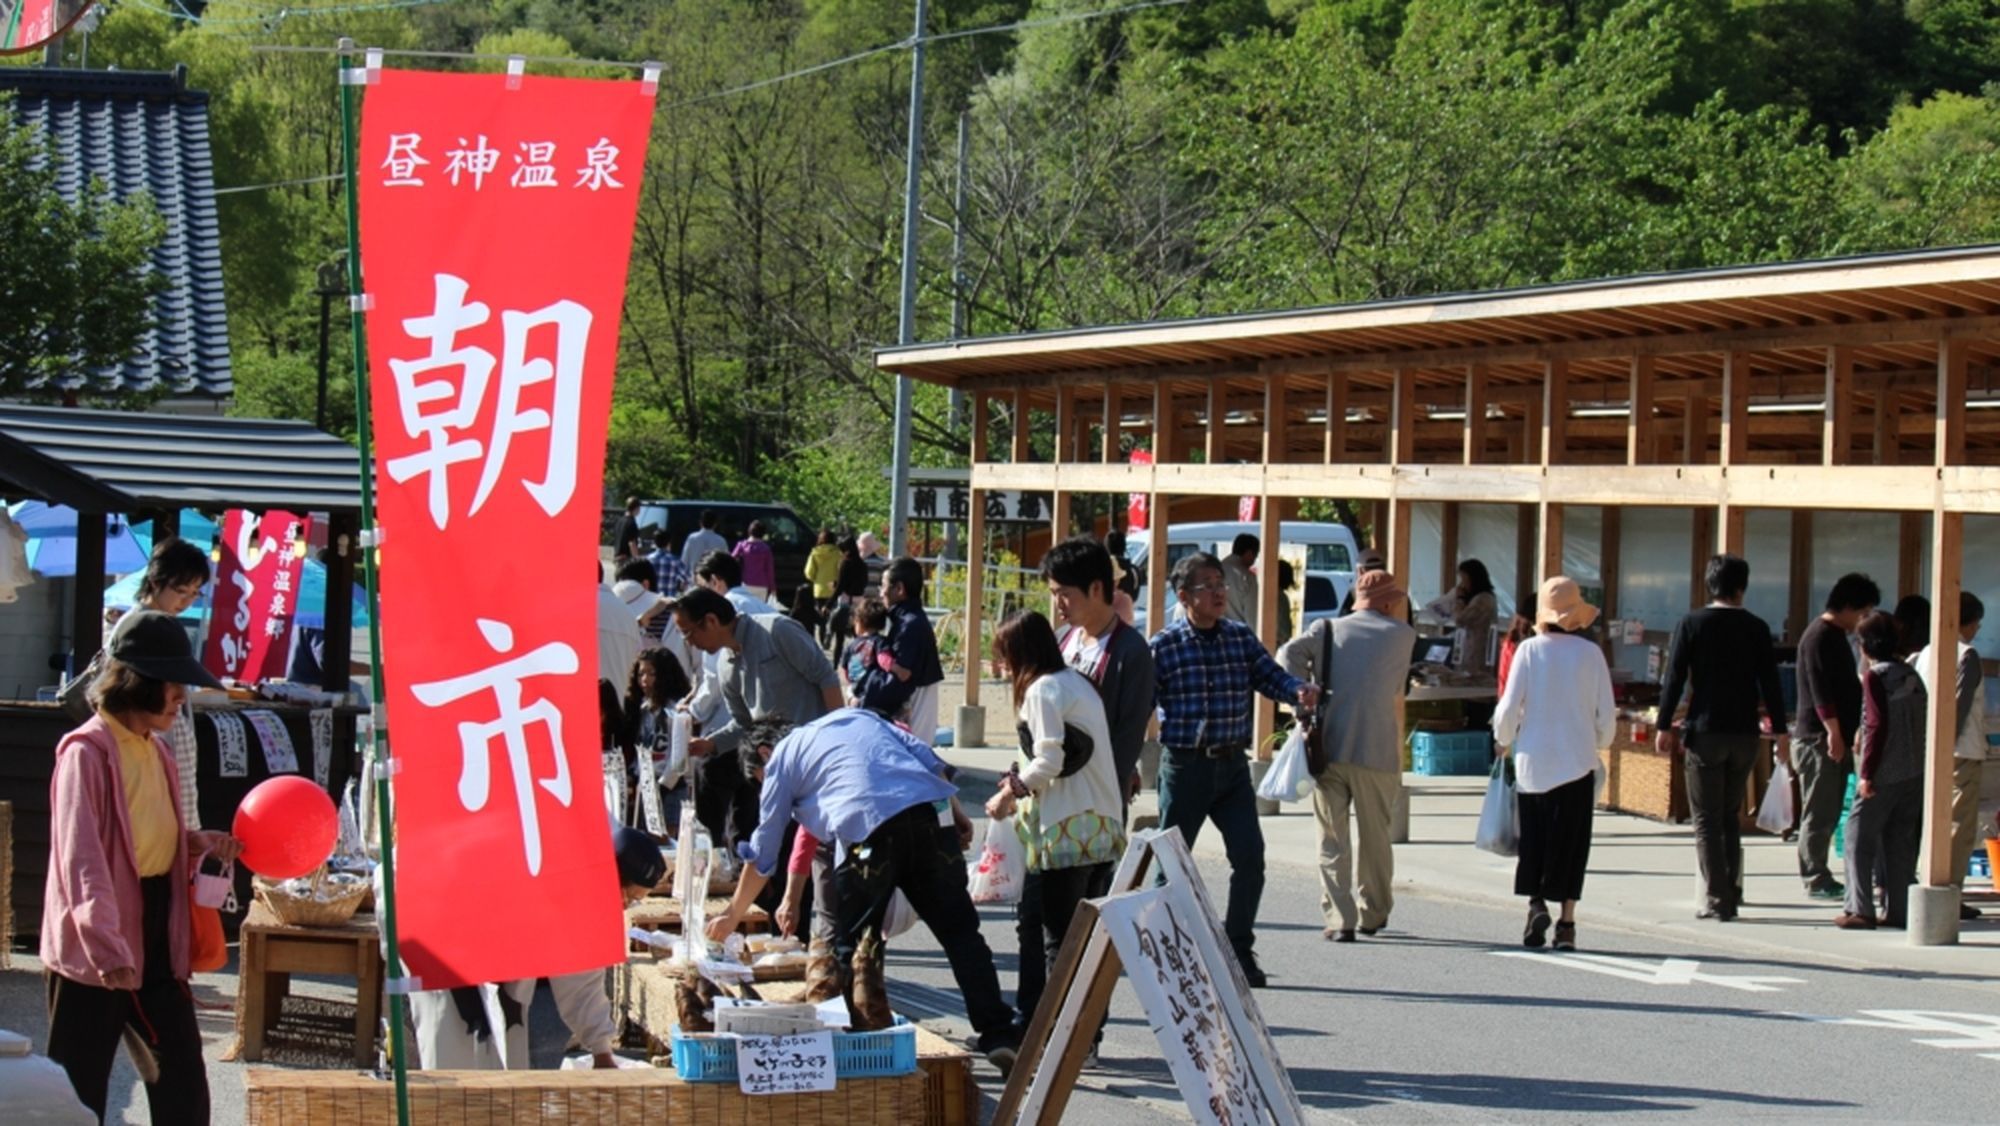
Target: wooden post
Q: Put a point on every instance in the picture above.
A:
(1163, 423)
(1336, 419)
(1888, 416)
(1798, 603)
(86, 629)
(1448, 548)
(1399, 538)
(1950, 404)
(1946, 564)
(1837, 440)
(1267, 613)
(1694, 431)
(1378, 526)
(1024, 451)
(1735, 448)
(1730, 532)
(1218, 406)
(1063, 451)
(1274, 420)
(1527, 530)
(1555, 416)
(1402, 444)
(1703, 546)
(979, 422)
(1909, 554)
(1549, 536)
(1114, 415)
(1475, 414)
(1639, 441)
(343, 549)
(1531, 432)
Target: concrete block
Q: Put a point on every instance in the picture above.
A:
(971, 729)
(1933, 916)
(1399, 817)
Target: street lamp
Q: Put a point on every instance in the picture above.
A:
(332, 284)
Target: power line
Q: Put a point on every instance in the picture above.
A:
(278, 184)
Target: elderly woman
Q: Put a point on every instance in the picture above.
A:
(1555, 715)
(116, 934)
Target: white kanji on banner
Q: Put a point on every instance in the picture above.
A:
(510, 726)
(442, 412)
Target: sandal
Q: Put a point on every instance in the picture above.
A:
(1565, 936)
(1538, 925)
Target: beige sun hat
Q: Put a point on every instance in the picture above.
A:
(1561, 604)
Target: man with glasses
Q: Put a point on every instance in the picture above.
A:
(1205, 667)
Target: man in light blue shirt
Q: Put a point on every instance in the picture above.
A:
(881, 797)
(703, 540)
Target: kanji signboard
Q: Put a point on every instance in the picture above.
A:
(496, 223)
(952, 504)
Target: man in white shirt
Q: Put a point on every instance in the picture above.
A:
(618, 636)
(1241, 580)
(1969, 751)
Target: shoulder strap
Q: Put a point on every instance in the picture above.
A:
(1326, 657)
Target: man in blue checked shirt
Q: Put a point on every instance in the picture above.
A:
(670, 575)
(1206, 665)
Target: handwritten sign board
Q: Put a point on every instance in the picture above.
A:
(1159, 931)
(1169, 968)
(785, 1065)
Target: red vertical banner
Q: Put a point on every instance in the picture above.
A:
(496, 224)
(1137, 503)
(256, 594)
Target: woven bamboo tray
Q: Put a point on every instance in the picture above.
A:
(633, 1097)
(305, 912)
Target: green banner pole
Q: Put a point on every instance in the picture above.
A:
(384, 807)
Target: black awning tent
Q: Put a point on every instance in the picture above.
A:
(100, 462)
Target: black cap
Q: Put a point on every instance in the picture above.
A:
(639, 861)
(155, 645)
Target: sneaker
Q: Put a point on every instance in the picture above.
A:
(1338, 934)
(1538, 925)
(1849, 922)
(1828, 891)
(1967, 912)
(1719, 914)
(1565, 936)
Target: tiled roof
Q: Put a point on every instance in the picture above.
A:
(144, 132)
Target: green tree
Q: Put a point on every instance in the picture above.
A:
(76, 277)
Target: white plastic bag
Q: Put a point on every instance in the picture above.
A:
(1288, 779)
(899, 917)
(677, 756)
(1774, 813)
(1002, 867)
(1499, 815)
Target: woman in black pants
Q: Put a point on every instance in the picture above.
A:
(1555, 715)
(117, 936)
(1063, 793)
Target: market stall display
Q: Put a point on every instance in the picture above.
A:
(273, 951)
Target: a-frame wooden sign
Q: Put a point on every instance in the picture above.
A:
(1158, 923)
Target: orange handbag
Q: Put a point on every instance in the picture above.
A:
(209, 950)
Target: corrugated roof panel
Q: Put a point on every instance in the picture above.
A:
(144, 133)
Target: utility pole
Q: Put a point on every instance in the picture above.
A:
(956, 415)
(906, 321)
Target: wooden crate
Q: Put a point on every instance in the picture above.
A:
(645, 994)
(628, 1097)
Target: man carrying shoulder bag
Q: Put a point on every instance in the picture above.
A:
(1362, 662)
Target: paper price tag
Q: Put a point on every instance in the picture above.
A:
(783, 1065)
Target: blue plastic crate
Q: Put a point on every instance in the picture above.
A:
(1437, 753)
(707, 1058)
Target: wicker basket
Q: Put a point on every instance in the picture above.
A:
(300, 911)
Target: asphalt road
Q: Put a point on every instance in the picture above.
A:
(1445, 1018)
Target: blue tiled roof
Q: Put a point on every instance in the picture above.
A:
(144, 132)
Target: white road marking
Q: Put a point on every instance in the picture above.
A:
(1667, 971)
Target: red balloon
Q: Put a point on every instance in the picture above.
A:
(288, 827)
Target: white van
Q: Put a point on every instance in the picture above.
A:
(1329, 551)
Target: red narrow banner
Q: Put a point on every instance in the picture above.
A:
(496, 223)
(256, 594)
(1137, 503)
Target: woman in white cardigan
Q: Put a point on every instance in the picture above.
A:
(1064, 788)
(1555, 715)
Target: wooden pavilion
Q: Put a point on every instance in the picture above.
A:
(1802, 388)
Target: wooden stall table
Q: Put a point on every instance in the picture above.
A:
(273, 951)
(663, 913)
(624, 1097)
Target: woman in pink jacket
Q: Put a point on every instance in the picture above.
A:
(115, 931)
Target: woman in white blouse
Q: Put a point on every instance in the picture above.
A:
(1064, 789)
(1555, 715)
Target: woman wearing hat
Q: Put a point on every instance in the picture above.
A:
(116, 934)
(1555, 714)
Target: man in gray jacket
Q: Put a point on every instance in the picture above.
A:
(1362, 664)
